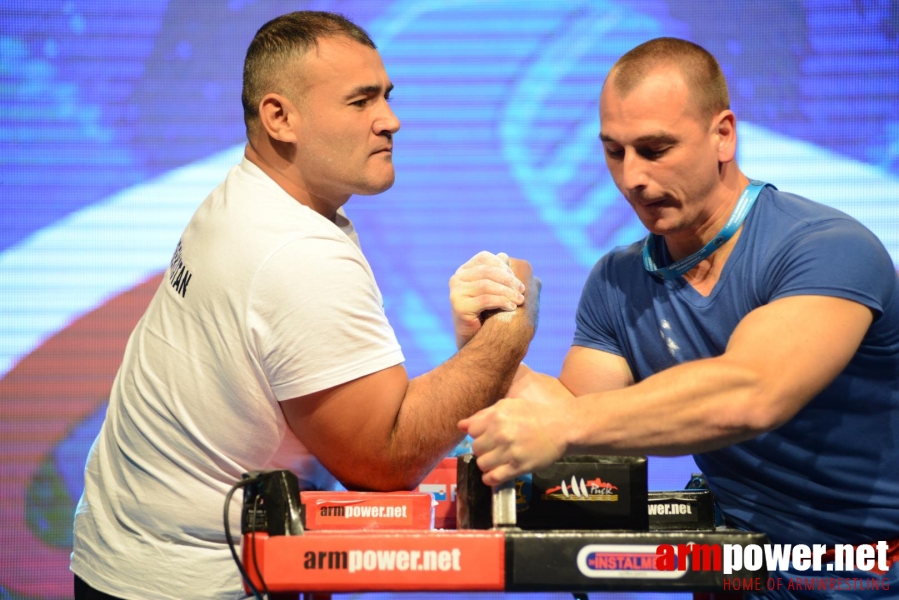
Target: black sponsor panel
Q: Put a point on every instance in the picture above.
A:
(610, 561)
(577, 492)
(685, 510)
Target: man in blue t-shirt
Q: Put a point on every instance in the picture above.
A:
(754, 329)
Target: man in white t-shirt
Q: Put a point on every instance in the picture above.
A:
(266, 345)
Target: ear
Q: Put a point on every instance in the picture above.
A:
(724, 130)
(279, 118)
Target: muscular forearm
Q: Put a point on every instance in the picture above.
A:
(408, 426)
(662, 415)
(694, 407)
(476, 377)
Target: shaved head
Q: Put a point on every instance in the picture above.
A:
(699, 69)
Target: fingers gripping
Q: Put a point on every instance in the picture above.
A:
(486, 282)
(512, 438)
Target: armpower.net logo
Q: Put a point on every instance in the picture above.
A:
(844, 567)
(384, 560)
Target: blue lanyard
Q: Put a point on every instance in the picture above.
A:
(677, 269)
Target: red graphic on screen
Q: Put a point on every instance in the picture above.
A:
(42, 398)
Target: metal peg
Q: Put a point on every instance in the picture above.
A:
(504, 505)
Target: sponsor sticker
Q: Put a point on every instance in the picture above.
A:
(611, 561)
(583, 490)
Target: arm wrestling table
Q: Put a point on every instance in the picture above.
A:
(504, 558)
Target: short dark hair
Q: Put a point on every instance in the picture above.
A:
(284, 38)
(700, 71)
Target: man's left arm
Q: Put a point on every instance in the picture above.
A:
(780, 356)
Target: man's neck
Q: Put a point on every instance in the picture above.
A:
(707, 272)
(682, 244)
(280, 168)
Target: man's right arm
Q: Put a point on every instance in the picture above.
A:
(384, 432)
(585, 371)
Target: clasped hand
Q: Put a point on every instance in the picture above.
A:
(485, 283)
(517, 434)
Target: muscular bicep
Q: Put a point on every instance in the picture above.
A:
(347, 427)
(795, 347)
(587, 371)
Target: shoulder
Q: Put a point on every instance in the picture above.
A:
(788, 221)
(315, 256)
(256, 215)
(804, 247)
(798, 212)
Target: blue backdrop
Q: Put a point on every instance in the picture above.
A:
(116, 119)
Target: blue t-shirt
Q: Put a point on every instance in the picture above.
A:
(829, 475)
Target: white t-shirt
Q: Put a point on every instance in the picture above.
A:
(264, 300)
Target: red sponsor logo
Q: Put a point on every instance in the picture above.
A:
(583, 490)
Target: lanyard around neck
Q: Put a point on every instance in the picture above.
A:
(673, 271)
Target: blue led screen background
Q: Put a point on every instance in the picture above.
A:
(116, 120)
